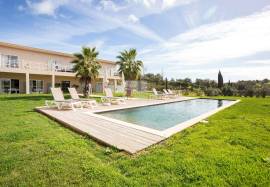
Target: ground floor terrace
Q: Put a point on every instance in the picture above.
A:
(41, 83)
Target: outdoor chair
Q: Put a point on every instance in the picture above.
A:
(61, 102)
(159, 96)
(85, 102)
(111, 99)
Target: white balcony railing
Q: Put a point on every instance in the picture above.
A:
(10, 64)
(34, 66)
(49, 67)
(110, 72)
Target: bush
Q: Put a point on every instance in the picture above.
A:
(249, 92)
(198, 92)
(229, 91)
(119, 94)
(212, 92)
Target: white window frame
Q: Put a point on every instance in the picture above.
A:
(10, 89)
(7, 62)
(1, 86)
(36, 87)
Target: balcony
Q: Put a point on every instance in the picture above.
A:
(35, 67)
(110, 72)
(64, 68)
(47, 68)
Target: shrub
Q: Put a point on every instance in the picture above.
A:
(212, 92)
(198, 92)
(229, 91)
(119, 94)
(249, 92)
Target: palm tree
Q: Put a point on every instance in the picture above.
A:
(86, 66)
(129, 66)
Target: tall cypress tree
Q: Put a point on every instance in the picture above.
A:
(220, 80)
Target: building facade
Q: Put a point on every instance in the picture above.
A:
(30, 70)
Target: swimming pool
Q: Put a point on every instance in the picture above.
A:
(164, 116)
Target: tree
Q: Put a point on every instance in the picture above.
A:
(166, 83)
(129, 66)
(86, 66)
(220, 80)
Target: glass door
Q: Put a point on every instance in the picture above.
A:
(5, 85)
(14, 86)
(36, 86)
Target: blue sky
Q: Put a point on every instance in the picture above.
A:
(181, 38)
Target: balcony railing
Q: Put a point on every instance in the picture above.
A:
(49, 67)
(35, 66)
(111, 72)
(10, 64)
(64, 68)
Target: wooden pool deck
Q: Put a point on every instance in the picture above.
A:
(111, 132)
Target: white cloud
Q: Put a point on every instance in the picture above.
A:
(96, 43)
(106, 20)
(217, 42)
(160, 4)
(258, 62)
(133, 19)
(45, 7)
(21, 8)
(108, 5)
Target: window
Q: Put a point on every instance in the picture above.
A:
(10, 61)
(36, 86)
(9, 86)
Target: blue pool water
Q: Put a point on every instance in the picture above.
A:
(163, 116)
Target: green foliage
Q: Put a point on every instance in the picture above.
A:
(228, 90)
(129, 65)
(86, 66)
(118, 94)
(233, 149)
(210, 87)
(220, 80)
(213, 92)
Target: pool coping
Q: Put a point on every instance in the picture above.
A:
(167, 132)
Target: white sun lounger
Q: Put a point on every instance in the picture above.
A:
(171, 95)
(159, 96)
(171, 92)
(85, 102)
(113, 100)
(61, 102)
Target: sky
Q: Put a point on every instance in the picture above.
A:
(179, 38)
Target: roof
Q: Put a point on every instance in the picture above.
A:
(27, 48)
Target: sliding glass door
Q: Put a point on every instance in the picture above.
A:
(36, 86)
(9, 86)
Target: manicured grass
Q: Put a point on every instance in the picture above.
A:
(232, 149)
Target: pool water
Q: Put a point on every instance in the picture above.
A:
(164, 116)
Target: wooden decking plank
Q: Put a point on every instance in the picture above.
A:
(110, 140)
(110, 137)
(137, 134)
(119, 135)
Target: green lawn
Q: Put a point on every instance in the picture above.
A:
(232, 149)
